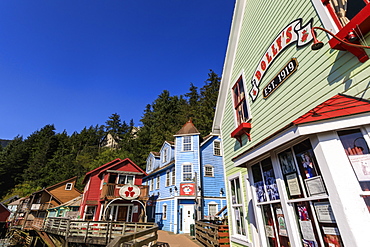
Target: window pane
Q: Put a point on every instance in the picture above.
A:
(130, 179)
(121, 179)
(258, 183)
(270, 181)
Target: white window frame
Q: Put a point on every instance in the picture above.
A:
(165, 155)
(187, 164)
(168, 178)
(150, 164)
(158, 182)
(151, 187)
(211, 204)
(217, 150)
(164, 211)
(235, 236)
(187, 143)
(173, 176)
(69, 186)
(212, 171)
(126, 175)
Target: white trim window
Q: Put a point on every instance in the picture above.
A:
(217, 148)
(186, 143)
(173, 176)
(209, 171)
(237, 209)
(125, 179)
(151, 184)
(212, 209)
(167, 178)
(187, 171)
(150, 164)
(165, 155)
(164, 211)
(158, 182)
(69, 186)
(240, 102)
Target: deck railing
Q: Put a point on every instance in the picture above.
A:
(212, 235)
(102, 232)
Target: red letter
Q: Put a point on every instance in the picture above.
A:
(258, 75)
(263, 65)
(278, 42)
(269, 58)
(274, 50)
(289, 35)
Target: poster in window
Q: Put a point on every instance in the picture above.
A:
(287, 162)
(269, 231)
(271, 186)
(293, 184)
(307, 230)
(361, 166)
(332, 237)
(303, 213)
(306, 160)
(260, 191)
(281, 222)
(324, 212)
(315, 186)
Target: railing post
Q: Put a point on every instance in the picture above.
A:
(67, 233)
(87, 230)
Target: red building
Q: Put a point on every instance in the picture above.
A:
(101, 199)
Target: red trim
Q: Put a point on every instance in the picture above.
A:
(242, 129)
(332, 13)
(360, 22)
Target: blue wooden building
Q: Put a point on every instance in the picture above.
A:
(186, 180)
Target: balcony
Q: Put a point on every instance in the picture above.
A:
(41, 206)
(110, 191)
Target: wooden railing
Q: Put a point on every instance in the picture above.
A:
(212, 235)
(102, 232)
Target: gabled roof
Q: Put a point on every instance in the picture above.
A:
(155, 154)
(75, 202)
(47, 190)
(207, 138)
(338, 106)
(188, 129)
(109, 165)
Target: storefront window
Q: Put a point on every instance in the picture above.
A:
(357, 151)
(305, 186)
(267, 196)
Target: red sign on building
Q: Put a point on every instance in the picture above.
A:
(187, 189)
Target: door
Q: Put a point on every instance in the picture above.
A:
(187, 217)
(122, 213)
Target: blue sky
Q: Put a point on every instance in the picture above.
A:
(73, 63)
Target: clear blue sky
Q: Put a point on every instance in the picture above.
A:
(73, 63)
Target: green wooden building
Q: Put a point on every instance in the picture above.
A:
(295, 123)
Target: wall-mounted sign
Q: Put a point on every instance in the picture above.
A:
(286, 72)
(291, 34)
(187, 189)
(129, 192)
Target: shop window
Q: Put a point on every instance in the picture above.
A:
(267, 197)
(239, 228)
(358, 153)
(306, 188)
(217, 148)
(186, 143)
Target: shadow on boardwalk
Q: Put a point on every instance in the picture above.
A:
(166, 239)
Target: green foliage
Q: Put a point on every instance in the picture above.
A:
(45, 157)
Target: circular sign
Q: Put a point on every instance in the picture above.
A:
(129, 192)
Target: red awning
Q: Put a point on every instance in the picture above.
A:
(338, 106)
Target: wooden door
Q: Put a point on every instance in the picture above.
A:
(122, 213)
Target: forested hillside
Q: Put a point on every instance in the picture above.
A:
(45, 157)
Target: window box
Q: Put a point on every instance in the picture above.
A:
(242, 129)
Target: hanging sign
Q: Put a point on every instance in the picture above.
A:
(294, 33)
(187, 189)
(284, 74)
(129, 192)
